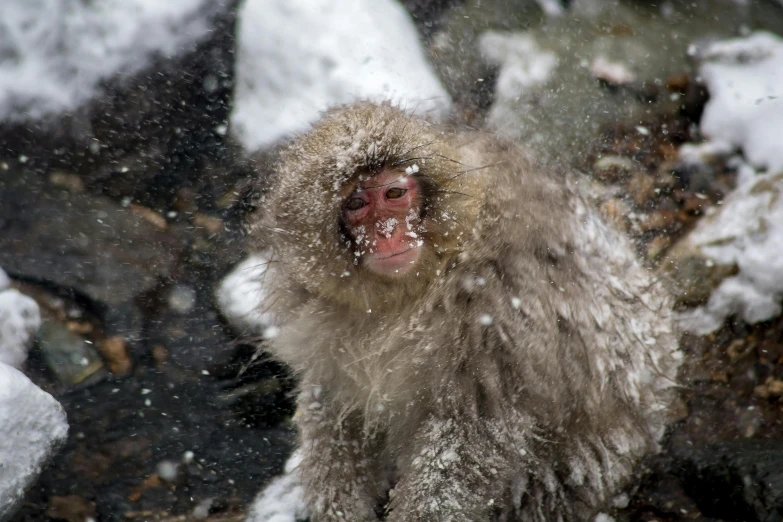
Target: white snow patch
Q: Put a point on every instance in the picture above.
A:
(20, 319)
(241, 295)
(613, 73)
(54, 53)
(296, 58)
(745, 111)
(32, 426)
(745, 80)
(283, 499)
(551, 8)
(523, 63)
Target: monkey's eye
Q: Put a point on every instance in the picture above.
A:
(395, 192)
(355, 204)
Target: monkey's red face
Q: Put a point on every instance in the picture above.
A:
(382, 215)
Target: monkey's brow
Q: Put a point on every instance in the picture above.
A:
(379, 186)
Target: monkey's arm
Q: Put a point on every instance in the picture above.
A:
(337, 468)
(456, 472)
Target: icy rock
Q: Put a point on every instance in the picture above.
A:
(19, 320)
(55, 53)
(284, 81)
(283, 499)
(242, 293)
(32, 427)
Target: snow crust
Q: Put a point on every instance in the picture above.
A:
(242, 293)
(745, 111)
(296, 58)
(54, 53)
(20, 318)
(283, 498)
(32, 427)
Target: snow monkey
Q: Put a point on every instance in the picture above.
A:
(472, 342)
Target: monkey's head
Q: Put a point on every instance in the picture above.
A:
(370, 206)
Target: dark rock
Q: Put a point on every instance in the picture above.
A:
(740, 480)
(87, 247)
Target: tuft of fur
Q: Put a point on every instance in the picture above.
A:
(518, 374)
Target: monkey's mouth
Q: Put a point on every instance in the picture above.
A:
(397, 254)
(396, 264)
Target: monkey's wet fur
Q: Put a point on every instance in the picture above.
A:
(472, 341)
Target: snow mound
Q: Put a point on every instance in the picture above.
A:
(242, 293)
(20, 318)
(747, 231)
(296, 58)
(283, 499)
(745, 80)
(32, 427)
(54, 53)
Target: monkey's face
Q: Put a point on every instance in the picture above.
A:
(382, 216)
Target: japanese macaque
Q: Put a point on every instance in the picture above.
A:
(472, 342)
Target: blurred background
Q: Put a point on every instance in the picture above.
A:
(131, 386)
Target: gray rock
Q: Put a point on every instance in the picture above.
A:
(89, 247)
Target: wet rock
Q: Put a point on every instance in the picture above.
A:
(68, 356)
(735, 481)
(89, 247)
(115, 352)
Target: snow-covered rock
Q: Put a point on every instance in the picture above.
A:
(746, 232)
(55, 53)
(296, 58)
(242, 293)
(20, 318)
(32, 427)
(745, 80)
(283, 499)
(745, 111)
